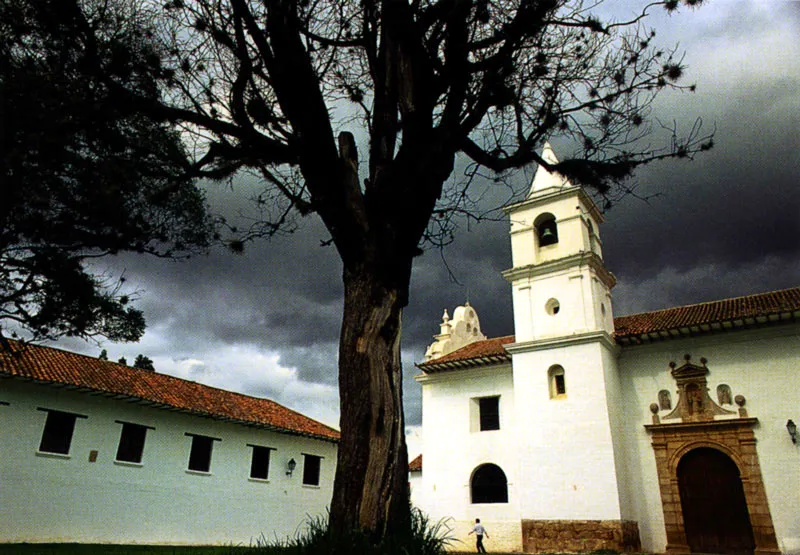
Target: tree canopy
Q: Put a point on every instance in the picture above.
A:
(82, 176)
(144, 363)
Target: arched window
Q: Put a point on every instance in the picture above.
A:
(546, 229)
(489, 484)
(558, 384)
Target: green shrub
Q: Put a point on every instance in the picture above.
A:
(426, 538)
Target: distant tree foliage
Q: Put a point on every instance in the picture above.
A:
(144, 363)
(81, 175)
(286, 90)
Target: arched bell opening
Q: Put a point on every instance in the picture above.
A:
(546, 230)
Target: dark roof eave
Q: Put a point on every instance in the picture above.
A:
(706, 328)
(483, 360)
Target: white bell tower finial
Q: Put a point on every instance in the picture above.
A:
(544, 179)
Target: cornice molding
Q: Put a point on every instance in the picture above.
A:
(581, 259)
(705, 424)
(555, 342)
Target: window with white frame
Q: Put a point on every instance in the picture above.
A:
(489, 413)
(131, 442)
(58, 430)
(259, 463)
(200, 452)
(311, 469)
(484, 413)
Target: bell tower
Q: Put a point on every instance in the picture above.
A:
(564, 364)
(560, 284)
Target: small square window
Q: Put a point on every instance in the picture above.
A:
(200, 454)
(489, 408)
(311, 467)
(259, 465)
(131, 442)
(58, 430)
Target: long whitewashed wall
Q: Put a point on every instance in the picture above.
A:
(764, 367)
(51, 498)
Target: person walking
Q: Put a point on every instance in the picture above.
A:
(479, 532)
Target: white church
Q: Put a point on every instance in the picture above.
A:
(670, 431)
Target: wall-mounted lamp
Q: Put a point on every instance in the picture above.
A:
(792, 428)
(290, 466)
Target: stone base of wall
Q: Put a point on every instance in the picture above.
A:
(579, 536)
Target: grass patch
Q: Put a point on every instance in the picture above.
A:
(426, 538)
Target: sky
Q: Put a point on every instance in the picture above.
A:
(727, 224)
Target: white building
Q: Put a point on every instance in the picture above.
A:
(97, 452)
(664, 432)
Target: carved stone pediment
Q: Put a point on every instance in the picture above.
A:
(694, 402)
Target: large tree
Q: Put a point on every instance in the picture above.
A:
(286, 89)
(81, 176)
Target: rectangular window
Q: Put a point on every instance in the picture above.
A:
(259, 465)
(200, 454)
(489, 408)
(311, 465)
(131, 442)
(58, 430)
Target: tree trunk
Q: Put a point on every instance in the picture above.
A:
(371, 486)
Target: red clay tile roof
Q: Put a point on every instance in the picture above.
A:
(484, 352)
(739, 312)
(415, 465)
(746, 311)
(54, 366)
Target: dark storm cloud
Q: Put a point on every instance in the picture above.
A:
(735, 209)
(277, 293)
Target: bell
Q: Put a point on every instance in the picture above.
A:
(548, 237)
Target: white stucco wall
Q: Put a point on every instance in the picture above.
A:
(50, 498)
(453, 449)
(764, 366)
(567, 462)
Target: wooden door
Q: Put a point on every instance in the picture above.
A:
(715, 515)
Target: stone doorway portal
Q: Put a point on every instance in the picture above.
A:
(715, 515)
(709, 477)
